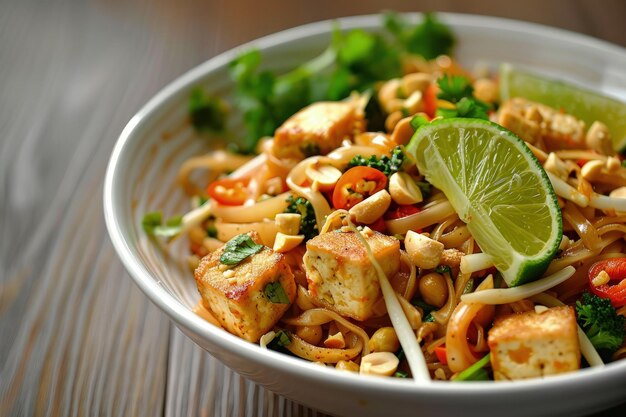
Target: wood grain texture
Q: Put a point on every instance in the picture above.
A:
(77, 337)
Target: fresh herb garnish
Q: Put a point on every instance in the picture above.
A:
(355, 60)
(401, 374)
(453, 88)
(207, 113)
(276, 293)
(430, 38)
(280, 340)
(303, 207)
(387, 165)
(458, 91)
(152, 224)
(239, 248)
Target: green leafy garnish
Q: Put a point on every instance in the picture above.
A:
(207, 113)
(303, 207)
(476, 371)
(280, 340)
(239, 248)
(401, 374)
(387, 165)
(453, 88)
(430, 38)
(152, 224)
(276, 293)
(458, 90)
(355, 60)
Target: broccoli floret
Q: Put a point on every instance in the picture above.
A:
(598, 318)
(386, 165)
(303, 207)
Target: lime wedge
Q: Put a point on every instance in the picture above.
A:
(497, 186)
(586, 105)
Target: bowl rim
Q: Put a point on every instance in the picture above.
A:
(295, 366)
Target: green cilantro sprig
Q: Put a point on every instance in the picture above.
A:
(153, 225)
(430, 38)
(355, 60)
(459, 91)
(207, 113)
(239, 248)
(276, 293)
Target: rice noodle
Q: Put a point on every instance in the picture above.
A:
(319, 316)
(265, 209)
(305, 350)
(217, 162)
(458, 352)
(509, 295)
(426, 217)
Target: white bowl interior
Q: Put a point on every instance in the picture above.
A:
(142, 177)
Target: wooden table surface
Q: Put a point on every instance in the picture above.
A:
(76, 336)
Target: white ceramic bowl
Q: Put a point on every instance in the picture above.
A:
(141, 178)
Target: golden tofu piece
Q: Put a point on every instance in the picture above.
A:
(533, 121)
(340, 275)
(527, 130)
(236, 295)
(531, 344)
(317, 129)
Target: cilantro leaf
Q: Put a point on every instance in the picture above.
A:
(239, 248)
(280, 340)
(453, 88)
(430, 38)
(458, 90)
(152, 224)
(276, 293)
(207, 113)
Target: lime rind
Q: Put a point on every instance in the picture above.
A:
(466, 192)
(583, 103)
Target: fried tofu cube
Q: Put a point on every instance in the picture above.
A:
(237, 295)
(340, 275)
(317, 129)
(531, 344)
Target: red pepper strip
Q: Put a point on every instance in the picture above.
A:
(615, 289)
(430, 100)
(440, 352)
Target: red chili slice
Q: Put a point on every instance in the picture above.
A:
(615, 289)
(229, 191)
(356, 184)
